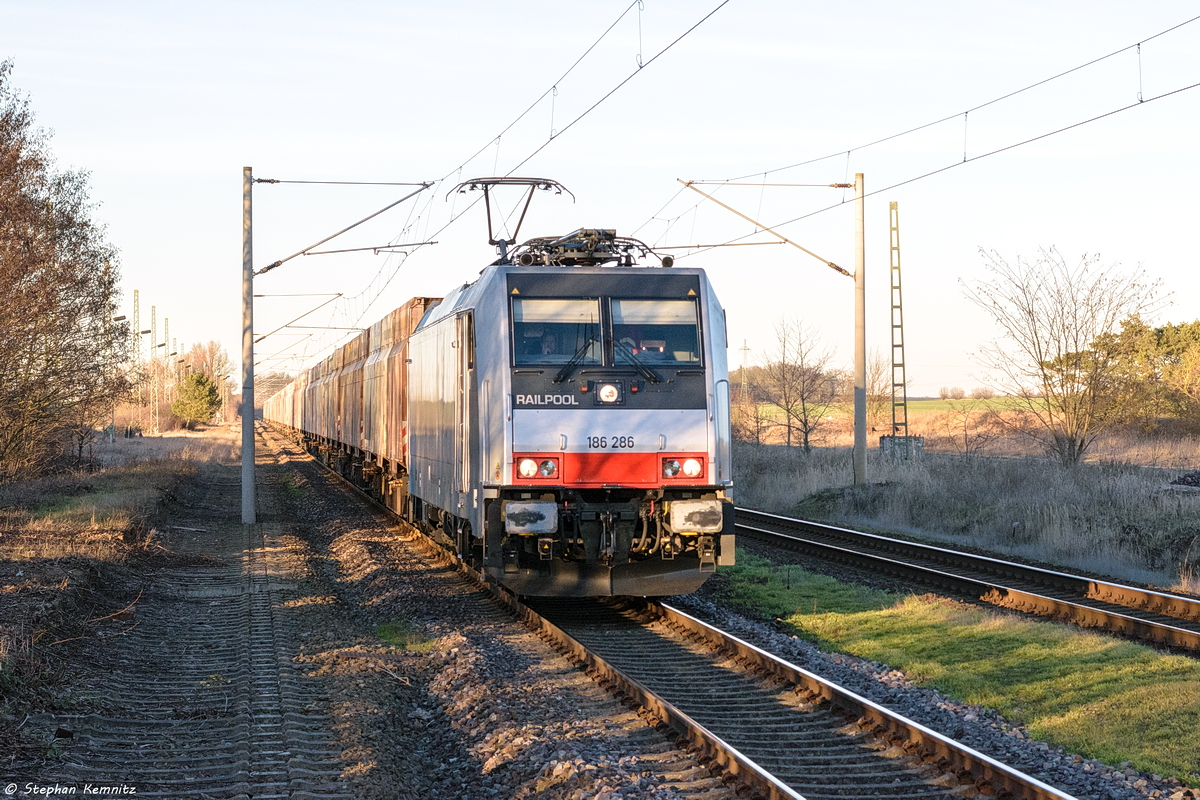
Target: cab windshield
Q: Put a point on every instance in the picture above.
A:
(655, 332)
(557, 331)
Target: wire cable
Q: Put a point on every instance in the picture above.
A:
(616, 88)
(931, 173)
(429, 236)
(553, 88)
(1044, 81)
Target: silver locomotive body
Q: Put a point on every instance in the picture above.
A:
(566, 428)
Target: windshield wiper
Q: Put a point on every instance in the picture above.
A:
(576, 359)
(638, 364)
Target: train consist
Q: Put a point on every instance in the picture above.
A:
(562, 422)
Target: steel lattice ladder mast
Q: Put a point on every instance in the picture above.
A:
(901, 441)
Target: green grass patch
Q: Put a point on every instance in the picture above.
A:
(761, 588)
(1094, 695)
(404, 635)
(291, 483)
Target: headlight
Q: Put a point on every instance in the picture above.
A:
(609, 393)
(548, 468)
(527, 468)
(691, 468)
(670, 468)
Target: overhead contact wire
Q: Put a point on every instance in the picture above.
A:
(616, 88)
(981, 105)
(973, 159)
(548, 91)
(495, 140)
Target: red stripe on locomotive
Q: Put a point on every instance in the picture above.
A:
(597, 470)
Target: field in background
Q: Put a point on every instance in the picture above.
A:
(202, 445)
(975, 427)
(918, 407)
(1117, 519)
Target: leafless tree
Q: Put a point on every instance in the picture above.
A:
(969, 425)
(797, 382)
(879, 392)
(1053, 318)
(750, 420)
(61, 349)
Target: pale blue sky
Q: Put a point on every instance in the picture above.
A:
(165, 104)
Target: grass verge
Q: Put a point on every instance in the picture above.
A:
(1100, 697)
(405, 636)
(1113, 519)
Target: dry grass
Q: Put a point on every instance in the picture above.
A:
(65, 544)
(1115, 519)
(212, 444)
(973, 427)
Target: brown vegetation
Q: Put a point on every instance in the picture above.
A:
(157, 382)
(1110, 515)
(61, 345)
(69, 548)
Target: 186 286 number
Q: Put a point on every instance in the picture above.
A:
(606, 442)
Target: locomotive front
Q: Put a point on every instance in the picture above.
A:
(600, 430)
(562, 422)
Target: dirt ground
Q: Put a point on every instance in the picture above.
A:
(315, 654)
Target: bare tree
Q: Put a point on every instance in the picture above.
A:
(969, 425)
(749, 419)
(212, 359)
(61, 347)
(1055, 318)
(879, 392)
(796, 381)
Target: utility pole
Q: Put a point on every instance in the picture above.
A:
(113, 364)
(745, 380)
(860, 336)
(860, 306)
(167, 372)
(248, 515)
(137, 358)
(154, 377)
(135, 343)
(902, 443)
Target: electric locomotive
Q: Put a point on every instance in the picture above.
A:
(563, 420)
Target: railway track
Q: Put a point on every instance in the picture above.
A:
(783, 731)
(1155, 617)
(779, 730)
(774, 729)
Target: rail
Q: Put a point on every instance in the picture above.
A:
(1146, 614)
